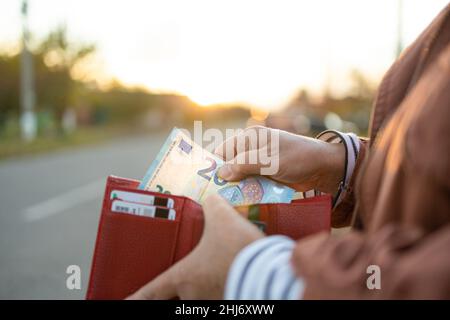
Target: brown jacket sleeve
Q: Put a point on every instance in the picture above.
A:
(396, 84)
(403, 197)
(412, 266)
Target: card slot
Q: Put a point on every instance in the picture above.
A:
(130, 251)
(178, 201)
(188, 213)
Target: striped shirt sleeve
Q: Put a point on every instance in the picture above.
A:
(263, 271)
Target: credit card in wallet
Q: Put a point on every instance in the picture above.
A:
(142, 210)
(142, 198)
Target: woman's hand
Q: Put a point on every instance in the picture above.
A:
(202, 273)
(304, 162)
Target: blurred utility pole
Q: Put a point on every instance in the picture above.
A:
(399, 46)
(28, 123)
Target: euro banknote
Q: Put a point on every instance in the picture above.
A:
(182, 167)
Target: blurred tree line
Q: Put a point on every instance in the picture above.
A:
(53, 60)
(57, 92)
(311, 115)
(62, 100)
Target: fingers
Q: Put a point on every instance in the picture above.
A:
(215, 206)
(243, 165)
(236, 172)
(218, 211)
(224, 223)
(245, 140)
(243, 153)
(161, 288)
(219, 214)
(227, 150)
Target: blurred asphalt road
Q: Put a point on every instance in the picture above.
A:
(49, 210)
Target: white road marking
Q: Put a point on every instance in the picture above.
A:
(64, 201)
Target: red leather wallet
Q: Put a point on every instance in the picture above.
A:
(131, 250)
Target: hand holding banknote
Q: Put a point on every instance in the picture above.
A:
(184, 168)
(304, 162)
(226, 233)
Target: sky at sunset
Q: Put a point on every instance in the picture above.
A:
(254, 51)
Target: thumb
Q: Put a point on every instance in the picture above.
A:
(236, 172)
(215, 208)
(242, 166)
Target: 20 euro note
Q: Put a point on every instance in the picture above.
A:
(184, 168)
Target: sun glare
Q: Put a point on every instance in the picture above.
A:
(255, 52)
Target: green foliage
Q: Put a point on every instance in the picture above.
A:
(306, 115)
(54, 58)
(9, 87)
